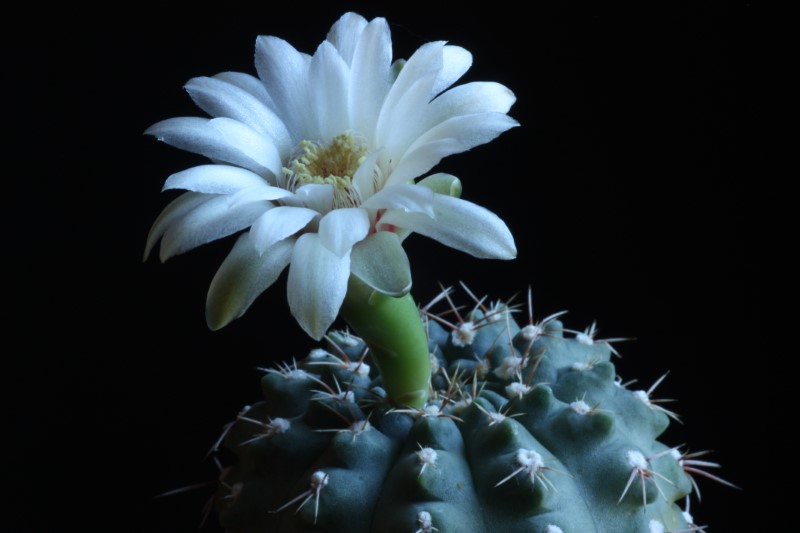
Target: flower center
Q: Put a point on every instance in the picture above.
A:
(334, 164)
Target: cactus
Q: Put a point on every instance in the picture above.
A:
(415, 422)
(527, 429)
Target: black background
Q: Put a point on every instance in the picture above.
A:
(629, 189)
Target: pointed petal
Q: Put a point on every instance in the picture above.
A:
(207, 222)
(249, 83)
(219, 98)
(364, 180)
(345, 33)
(253, 144)
(381, 263)
(340, 229)
(403, 107)
(409, 198)
(242, 277)
(456, 62)
(400, 126)
(370, 76)
(476, 97)
(176, 210)
(468, 99)
(328, 79)
(317, 284)
(196, 135)
(461, 225)
(427, 59)
(277, 224)
(316, 196)
(223, 179)
(452, 136)
(284, 72)
(263, 193)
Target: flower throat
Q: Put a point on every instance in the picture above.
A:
(334, 164)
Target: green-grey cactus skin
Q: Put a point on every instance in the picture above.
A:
(526, 430)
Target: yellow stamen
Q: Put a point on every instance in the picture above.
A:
(334, 164)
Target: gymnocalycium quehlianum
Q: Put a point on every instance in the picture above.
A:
(416, 421)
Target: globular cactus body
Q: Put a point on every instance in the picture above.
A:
(527, 431)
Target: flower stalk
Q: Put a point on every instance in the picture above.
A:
(395, 334)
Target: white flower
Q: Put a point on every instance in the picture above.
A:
(318, 157)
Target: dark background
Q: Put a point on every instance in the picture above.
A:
(630, 189)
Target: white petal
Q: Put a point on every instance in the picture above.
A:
(467, 99)
(219, 98)
(426, 60)
(253, 144)
(461, 225)
(381, 263)
(207, 222)
(317, 284)
(176, 210)
(196, 135)
(452, 136)
(328, 78)
(364, 180)
(249, 83)
(316, 196)
(401, 125)
(424, 64)
(370, 77)
(471, 98)
(409, 198)
(456, 62)
(277, 224)
(345, 33)
(340, 229)
(263, 193)
(222, 179)
(284, 72)
(242, 277)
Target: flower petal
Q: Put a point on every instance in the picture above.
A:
(365, 180)
(409, 198)
(317, 284)
(177, 209)
(249, 83)
(284, 73)
(381, 263)
(402, 106)
(427, 59)
(345, 33)
(340, 229)
(316, 196)
(195, 134)
(223, 179)
(452, 136)
(253, 144)
(399, 127)
(207, 222)
(467, 99)
(455, 63)
(219, 98)
(461, 225)
(242, 277)
(370, 76)
(328, 78)
(277, 224)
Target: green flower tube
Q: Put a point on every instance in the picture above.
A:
(392, 329)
